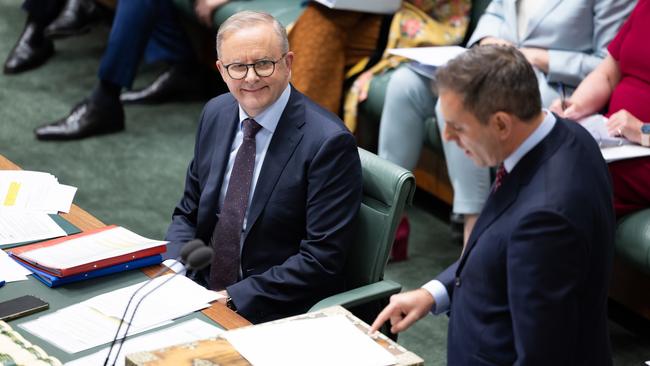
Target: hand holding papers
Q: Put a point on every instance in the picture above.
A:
(612, 147)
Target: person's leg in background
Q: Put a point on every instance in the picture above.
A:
(32, 48)
(139, 25)
(471, 184)
(409, 102)
(326, 42)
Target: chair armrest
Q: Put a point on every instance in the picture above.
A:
(360, 295)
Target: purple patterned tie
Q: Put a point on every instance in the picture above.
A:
(227, 233)
(501, 173)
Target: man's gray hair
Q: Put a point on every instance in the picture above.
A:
(247, 18)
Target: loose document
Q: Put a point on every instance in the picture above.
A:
(95, 321)
(331, 340)
(11, 271)
(34, 191)
(185, 332)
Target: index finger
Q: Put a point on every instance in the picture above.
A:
(382, 318)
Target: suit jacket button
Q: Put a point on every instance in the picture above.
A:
(457, 281)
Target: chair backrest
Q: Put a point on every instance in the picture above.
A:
(387, 188)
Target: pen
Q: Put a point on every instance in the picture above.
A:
(562, 93)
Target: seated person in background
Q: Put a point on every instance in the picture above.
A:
(47, 20)
(140, 27)
(416, 24)
(531, 285)
(327, 43)
(562, 40)
(621, 83)
(275, 183)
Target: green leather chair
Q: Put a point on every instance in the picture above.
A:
(633, 240)
(387, 189)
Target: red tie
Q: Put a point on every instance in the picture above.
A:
(501, 173)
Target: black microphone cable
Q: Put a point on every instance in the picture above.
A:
(183, 256)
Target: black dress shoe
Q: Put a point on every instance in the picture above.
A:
(74, 19)
(31, 50)
(173, 85)
(85, 119)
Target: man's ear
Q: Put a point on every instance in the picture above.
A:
(502, 123)
(288, 59)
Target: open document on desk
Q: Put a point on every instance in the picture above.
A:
(331, 340)
(94, 322)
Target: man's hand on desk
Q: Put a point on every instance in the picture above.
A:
(404, 309)
(223, 299)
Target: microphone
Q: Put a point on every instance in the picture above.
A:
(194, 253)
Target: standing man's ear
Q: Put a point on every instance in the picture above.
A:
(502, 123)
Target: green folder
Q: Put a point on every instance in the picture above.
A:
(63, 223)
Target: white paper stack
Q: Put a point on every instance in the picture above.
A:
(95, 321)
(28, 191)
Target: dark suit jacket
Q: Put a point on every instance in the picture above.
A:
(531, 287)
(300, 222)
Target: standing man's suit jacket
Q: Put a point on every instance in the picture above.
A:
(576, 33)
(531, 286)
(300, 222)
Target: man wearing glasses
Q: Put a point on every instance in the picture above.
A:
(275, 183)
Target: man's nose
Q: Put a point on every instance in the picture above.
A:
(251, 75)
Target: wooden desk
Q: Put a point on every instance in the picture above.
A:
(217, 312)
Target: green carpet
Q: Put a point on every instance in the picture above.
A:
(135, 178)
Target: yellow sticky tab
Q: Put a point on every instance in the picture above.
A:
(10, 200)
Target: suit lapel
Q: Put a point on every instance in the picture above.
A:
(284, 141)
(499, 201)
(223, 137)
(536, 18)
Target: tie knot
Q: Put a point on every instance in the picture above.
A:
(251, 128)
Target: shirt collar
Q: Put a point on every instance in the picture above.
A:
(531, 141)
(269, 117)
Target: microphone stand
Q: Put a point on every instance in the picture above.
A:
(197, 259)
(190, 247)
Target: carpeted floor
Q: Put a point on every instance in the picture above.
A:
(135, 178)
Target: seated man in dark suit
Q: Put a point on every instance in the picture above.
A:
(275, 183)
(531, 286)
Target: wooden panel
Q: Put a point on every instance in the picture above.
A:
(431, 175)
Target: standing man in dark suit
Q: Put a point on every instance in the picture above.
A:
(531, 286)
(275, 183)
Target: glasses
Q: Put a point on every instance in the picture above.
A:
(262, 68)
